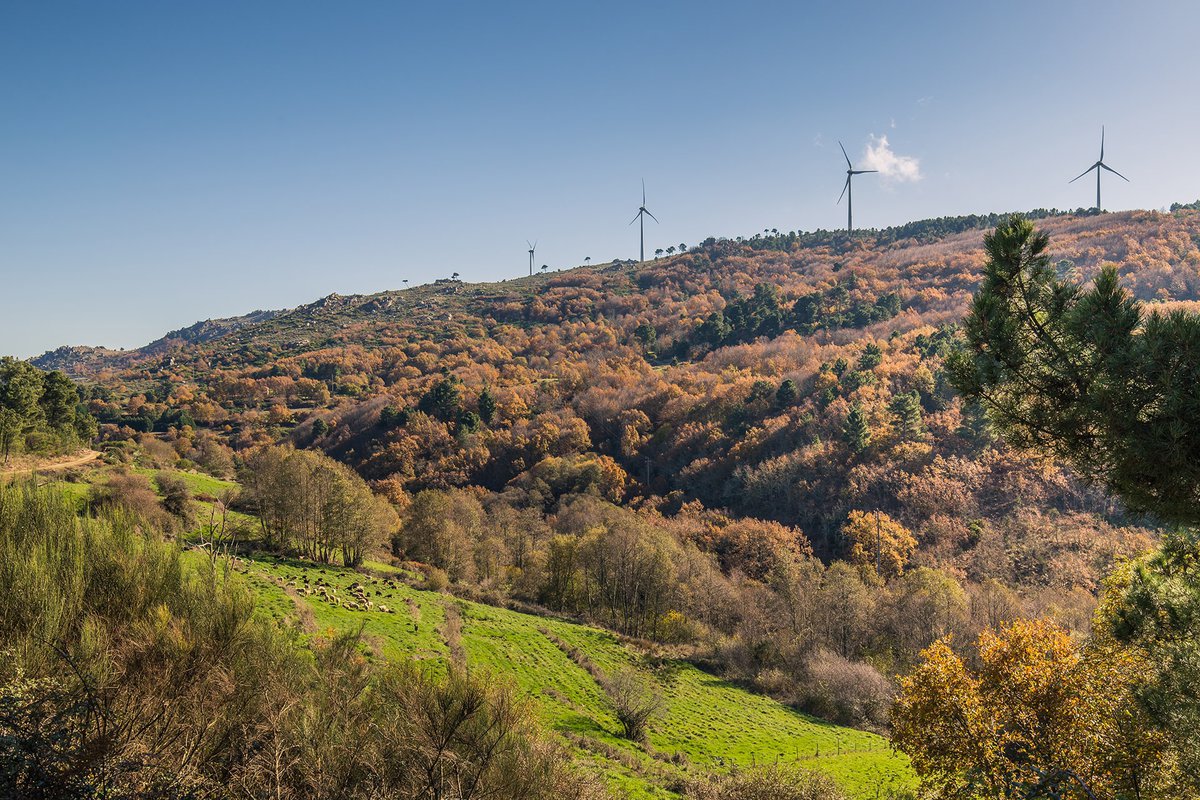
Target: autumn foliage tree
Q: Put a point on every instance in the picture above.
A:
(879, 542)
(1041, 716)
(308, 503)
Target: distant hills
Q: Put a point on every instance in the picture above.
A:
(81, 361)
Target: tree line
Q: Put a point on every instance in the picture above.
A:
(309, 504)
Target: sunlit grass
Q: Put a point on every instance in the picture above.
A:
(709, 723)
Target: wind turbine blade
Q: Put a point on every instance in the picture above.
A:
(635, 217)
(848, 164)
(1085, 172)
(651, 216)
(862, 171)
(1101, 142)
(1114, 172)
(643, 191)
(845, 186)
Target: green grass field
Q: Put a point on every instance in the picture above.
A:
(705, 722)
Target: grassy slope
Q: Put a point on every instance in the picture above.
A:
(705, 721)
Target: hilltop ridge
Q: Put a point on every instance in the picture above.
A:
(81, 361)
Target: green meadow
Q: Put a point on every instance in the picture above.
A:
(705, 723)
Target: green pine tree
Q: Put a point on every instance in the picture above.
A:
(20, 390)
(487, 405)
(1087, 376)
(872, 357)
(442, 400)
(906, 408)
(857, 432)
(787, 393)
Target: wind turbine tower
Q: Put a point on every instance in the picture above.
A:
(643, 212)
(848, 190)
(532, 248)
(1099, 165)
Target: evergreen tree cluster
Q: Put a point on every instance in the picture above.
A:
(768, 313)
(1086, 375)
(39, 410)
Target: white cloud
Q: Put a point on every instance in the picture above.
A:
(880, 156)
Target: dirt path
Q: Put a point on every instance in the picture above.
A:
(87, 457)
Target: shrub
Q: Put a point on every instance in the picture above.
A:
(129, 493)
(436, 580)
(765, 783)
(675, 628)
(634, 701)
(845, 691)
(177, 497)
(156, 452)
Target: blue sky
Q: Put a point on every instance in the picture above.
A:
(162, 163)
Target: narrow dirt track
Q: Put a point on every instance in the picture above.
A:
(88, 457)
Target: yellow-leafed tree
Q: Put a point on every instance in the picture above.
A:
(878, 541)
(1041, 716)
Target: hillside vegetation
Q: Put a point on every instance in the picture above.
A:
(750, 449)
(784, 377)
(704, 723)
(633, 492)
(167, 614)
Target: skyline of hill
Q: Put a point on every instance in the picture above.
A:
(72, 357)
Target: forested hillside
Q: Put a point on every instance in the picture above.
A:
(732, 429)
(786, 377)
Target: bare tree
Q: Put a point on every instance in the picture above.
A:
(635, 702)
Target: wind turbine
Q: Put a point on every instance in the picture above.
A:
(1099, 165)
(532, 248)
(848, 190)
(643, 212)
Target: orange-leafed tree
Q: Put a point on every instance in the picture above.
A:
(1041, 716)
(878, 541)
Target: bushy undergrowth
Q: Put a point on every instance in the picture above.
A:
(849, 692)
(766, 783)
